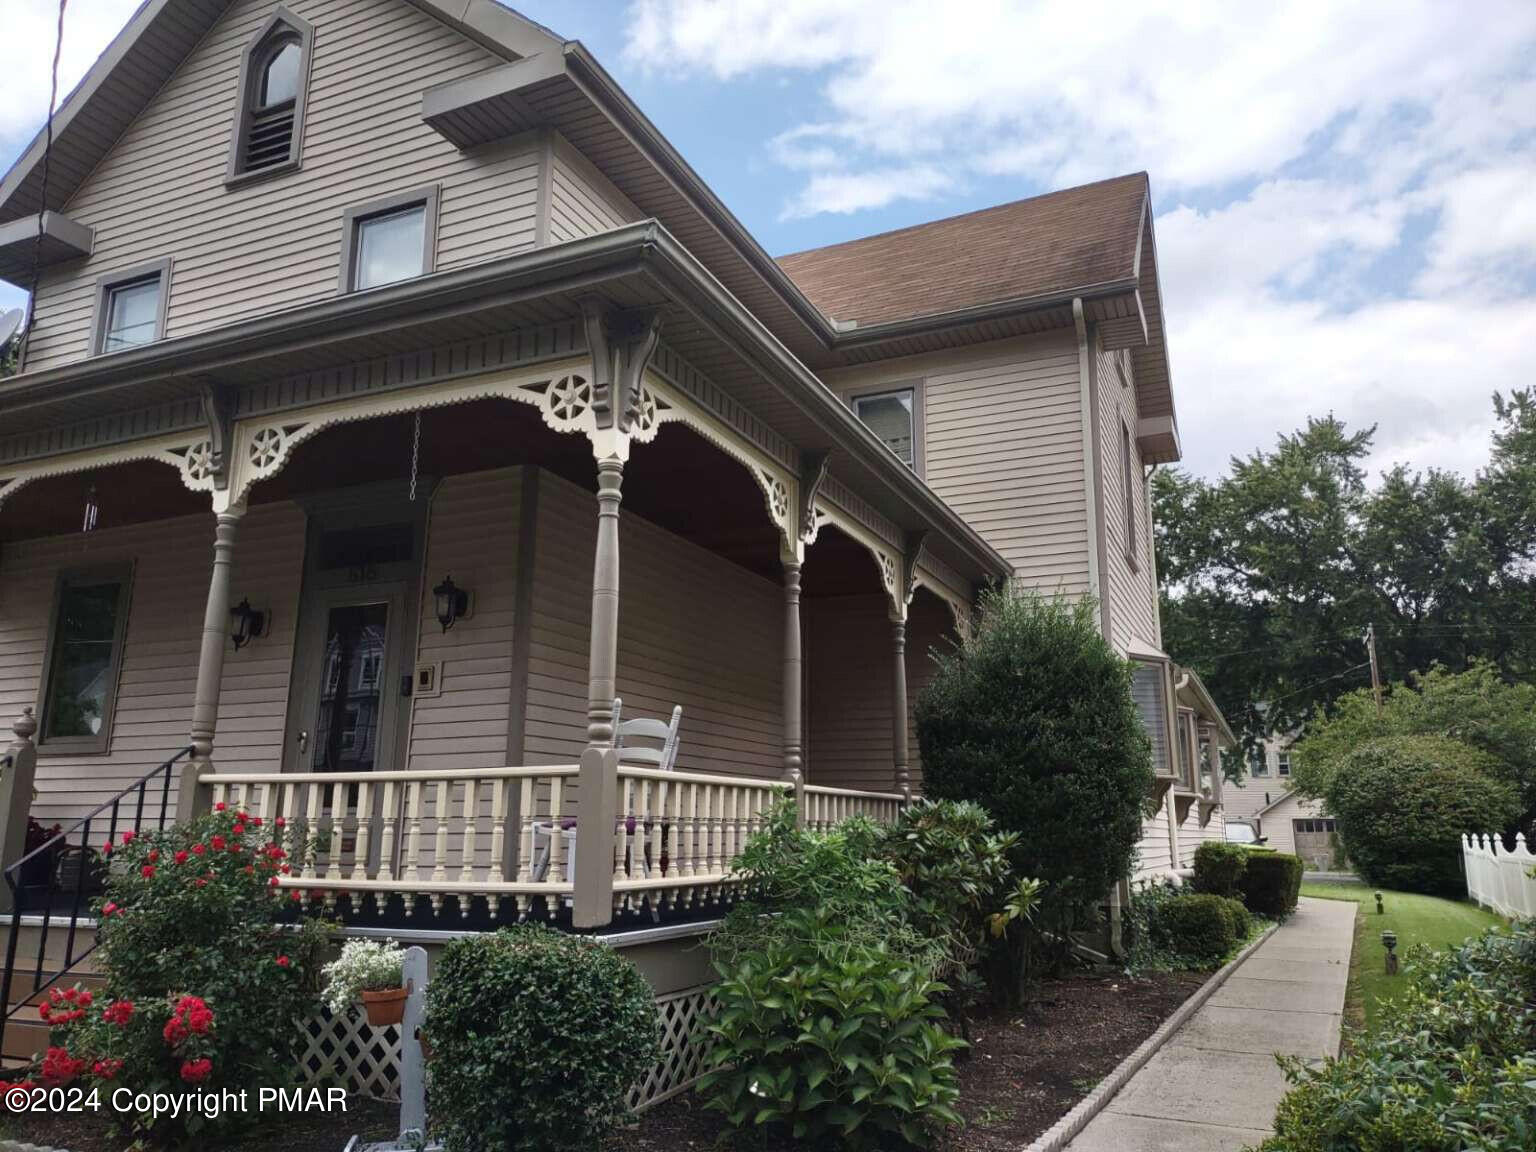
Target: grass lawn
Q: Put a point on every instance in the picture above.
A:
(1416, 920)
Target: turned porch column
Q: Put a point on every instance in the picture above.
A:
(603, 657)
(899, 705)
(794, 767)
(210, 665)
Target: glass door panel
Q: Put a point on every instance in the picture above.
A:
(351, 689)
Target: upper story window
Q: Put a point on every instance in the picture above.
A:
(270, 118)
(1283, 764)
(84, 654)
(1257, 764)
(130, 307)
(1128, 491)
(895, 415)
(388, 240)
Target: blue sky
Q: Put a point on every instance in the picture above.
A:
(1343, 192)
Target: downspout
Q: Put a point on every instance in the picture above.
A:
(1093, 480)
(1157, 594)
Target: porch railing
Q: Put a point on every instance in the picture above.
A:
(462, 833)
(512, 833)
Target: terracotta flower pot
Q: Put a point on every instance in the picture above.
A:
(385, 1006)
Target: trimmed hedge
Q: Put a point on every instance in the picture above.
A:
(1403, 804)
(1270, 883)
(1219, 867)
(1196, 926)
(536, 1036)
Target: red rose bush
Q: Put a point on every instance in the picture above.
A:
(205, 983)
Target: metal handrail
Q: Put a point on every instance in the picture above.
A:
(46, 849)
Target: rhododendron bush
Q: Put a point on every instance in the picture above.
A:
(204, 980)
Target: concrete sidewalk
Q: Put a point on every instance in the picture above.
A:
(1214, 1086)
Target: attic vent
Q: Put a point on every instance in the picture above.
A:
(273, 78)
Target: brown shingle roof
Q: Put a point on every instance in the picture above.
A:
(1047, 244)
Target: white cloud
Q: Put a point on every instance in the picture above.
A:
(1299, 152)
(89, 26)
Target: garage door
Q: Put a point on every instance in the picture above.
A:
(1317, 844)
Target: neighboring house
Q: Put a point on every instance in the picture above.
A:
(346, 308)
(1289, 822)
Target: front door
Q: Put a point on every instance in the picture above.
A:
(349, 702)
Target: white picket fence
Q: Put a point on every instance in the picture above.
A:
(1498, 878)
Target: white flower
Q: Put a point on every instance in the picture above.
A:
(364, 965)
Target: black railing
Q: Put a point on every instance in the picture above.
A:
(59, 877)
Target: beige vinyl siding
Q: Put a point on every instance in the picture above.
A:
(849, 693)
(276, 243)
(172, 561)
(582, 200)
(1130, 589)
(473, 536)
(1153, 854)
(694, 630)
(1004, 447)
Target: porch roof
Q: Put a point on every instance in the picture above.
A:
(639, 265)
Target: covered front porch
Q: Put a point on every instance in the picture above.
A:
(285, 612)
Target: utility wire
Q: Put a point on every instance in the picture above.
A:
(42, 208)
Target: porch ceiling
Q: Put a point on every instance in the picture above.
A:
(639, 265)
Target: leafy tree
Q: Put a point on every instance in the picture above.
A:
(10, 357)
(1476, 708)
(1032, 717)
(1273, 572)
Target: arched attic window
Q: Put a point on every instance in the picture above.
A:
(274, 76)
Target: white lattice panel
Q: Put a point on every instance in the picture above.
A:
(347, 1052)
(683, 1015)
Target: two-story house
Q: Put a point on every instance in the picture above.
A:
(371, 335)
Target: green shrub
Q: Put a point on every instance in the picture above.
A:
(1449, 1067)
(1219, 867)
(536, 1038)
(1196, 926)
(1032, 717)
(828, 1034)
(954, 865)
(1242, 919)
(1271, 883)
(1403, 803)
(203, 985)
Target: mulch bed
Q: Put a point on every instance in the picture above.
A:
(278, 1132)
(1024, 1072)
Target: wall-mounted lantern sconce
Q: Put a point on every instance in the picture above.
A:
(452, 602)
(1389, 942)
(249, 624)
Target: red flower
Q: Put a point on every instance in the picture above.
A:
(71, 994)
(285, 869)
(128, 836)
(109, 909)
(175, 1031)
(280, 822)
(107, 1069)
(297, 895)
(217, 842)
(201, 882)
(147, 871)
(119, 1012)
(196, 1071)
(256, 820)
(59, 1067)
(220, 806)
(275, 851)
(198, 849)
(86, 998)
(106, 849)
(154, 855)
(250, 870)
(237, 830)
(181, 857)
(273, 882)
(43, 1010)
(283, 961)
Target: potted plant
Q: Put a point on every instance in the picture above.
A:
(369, 970)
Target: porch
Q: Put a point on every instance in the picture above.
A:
(792, 634)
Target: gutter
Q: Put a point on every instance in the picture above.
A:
(644, 248)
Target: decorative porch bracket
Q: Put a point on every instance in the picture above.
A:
(622, 344)
(219, 411)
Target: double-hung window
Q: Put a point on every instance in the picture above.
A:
(83, 659)
(130, 307)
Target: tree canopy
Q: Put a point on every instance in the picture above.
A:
(1272, 573)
